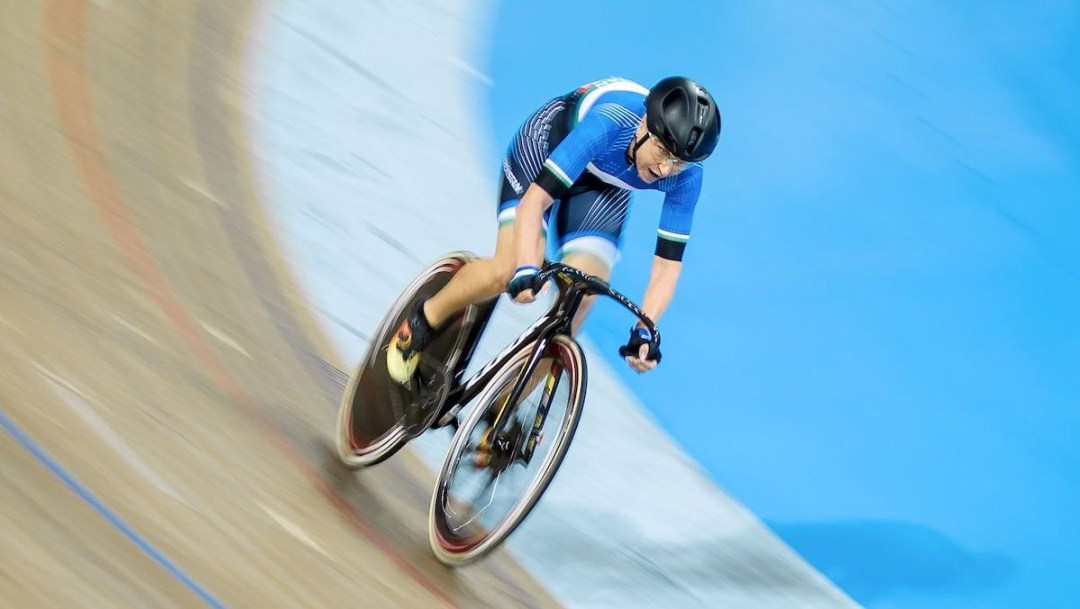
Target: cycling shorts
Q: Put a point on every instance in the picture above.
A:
(589, 218)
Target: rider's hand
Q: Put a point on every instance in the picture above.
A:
(638, 350)
(525, 284)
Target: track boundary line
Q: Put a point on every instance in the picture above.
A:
(84, 493)
(65, 45)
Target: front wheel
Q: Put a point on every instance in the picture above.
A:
(491, 479)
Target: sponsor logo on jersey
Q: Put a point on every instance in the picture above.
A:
(511, 178)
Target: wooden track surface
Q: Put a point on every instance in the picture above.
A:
(154, 349)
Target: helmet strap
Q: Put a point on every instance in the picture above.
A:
(631, 153)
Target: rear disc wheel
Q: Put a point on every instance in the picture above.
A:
(377, 416)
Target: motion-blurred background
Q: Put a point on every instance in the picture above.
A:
(869, 388)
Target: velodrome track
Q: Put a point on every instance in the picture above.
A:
(167, 397)
(166, 403)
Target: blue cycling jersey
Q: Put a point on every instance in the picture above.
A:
(605, 121)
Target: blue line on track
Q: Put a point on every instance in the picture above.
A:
(108, 514)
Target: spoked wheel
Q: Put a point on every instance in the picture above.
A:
(378, 416)
(491, 479)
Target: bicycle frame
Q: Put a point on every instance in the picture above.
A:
(573, 286)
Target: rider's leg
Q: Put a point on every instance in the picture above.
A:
(593, 265)
(479, 280)
(589, 226)
(484, 278)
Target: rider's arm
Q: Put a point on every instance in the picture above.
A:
(530, 212)
(557, 174)
(672, 235)
(658, 294)
(560, 170)
(661, 288)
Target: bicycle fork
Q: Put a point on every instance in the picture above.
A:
(537, 431)
(509, 444)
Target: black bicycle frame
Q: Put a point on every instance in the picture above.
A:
(573, 285)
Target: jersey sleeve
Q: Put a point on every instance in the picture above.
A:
(585, 142)
(678, 214)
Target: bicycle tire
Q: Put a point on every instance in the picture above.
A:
(353, 451)
(447, 546)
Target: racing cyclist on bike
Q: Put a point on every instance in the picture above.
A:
(585, 150)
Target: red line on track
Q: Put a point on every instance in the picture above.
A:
(65, 44)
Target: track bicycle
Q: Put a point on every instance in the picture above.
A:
(525, 407)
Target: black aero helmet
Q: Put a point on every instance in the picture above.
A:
(684, 116)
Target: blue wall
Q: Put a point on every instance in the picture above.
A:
(876, 339)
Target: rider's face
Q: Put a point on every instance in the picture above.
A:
(654, 161)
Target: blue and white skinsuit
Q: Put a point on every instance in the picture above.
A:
(576, 147)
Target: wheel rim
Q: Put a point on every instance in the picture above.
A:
(352, 449)
(468, 519)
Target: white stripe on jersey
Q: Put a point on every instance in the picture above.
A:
(559, 173)
(601, 214)
(670, 236)
(536, 131)
(608, 178)
(590, 98)
(619, 115)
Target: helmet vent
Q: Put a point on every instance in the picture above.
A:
(691, 142)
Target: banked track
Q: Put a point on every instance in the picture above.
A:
(165, 401)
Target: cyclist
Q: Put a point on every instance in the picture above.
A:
(585, 150)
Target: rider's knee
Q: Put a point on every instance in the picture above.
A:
(502, 272)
